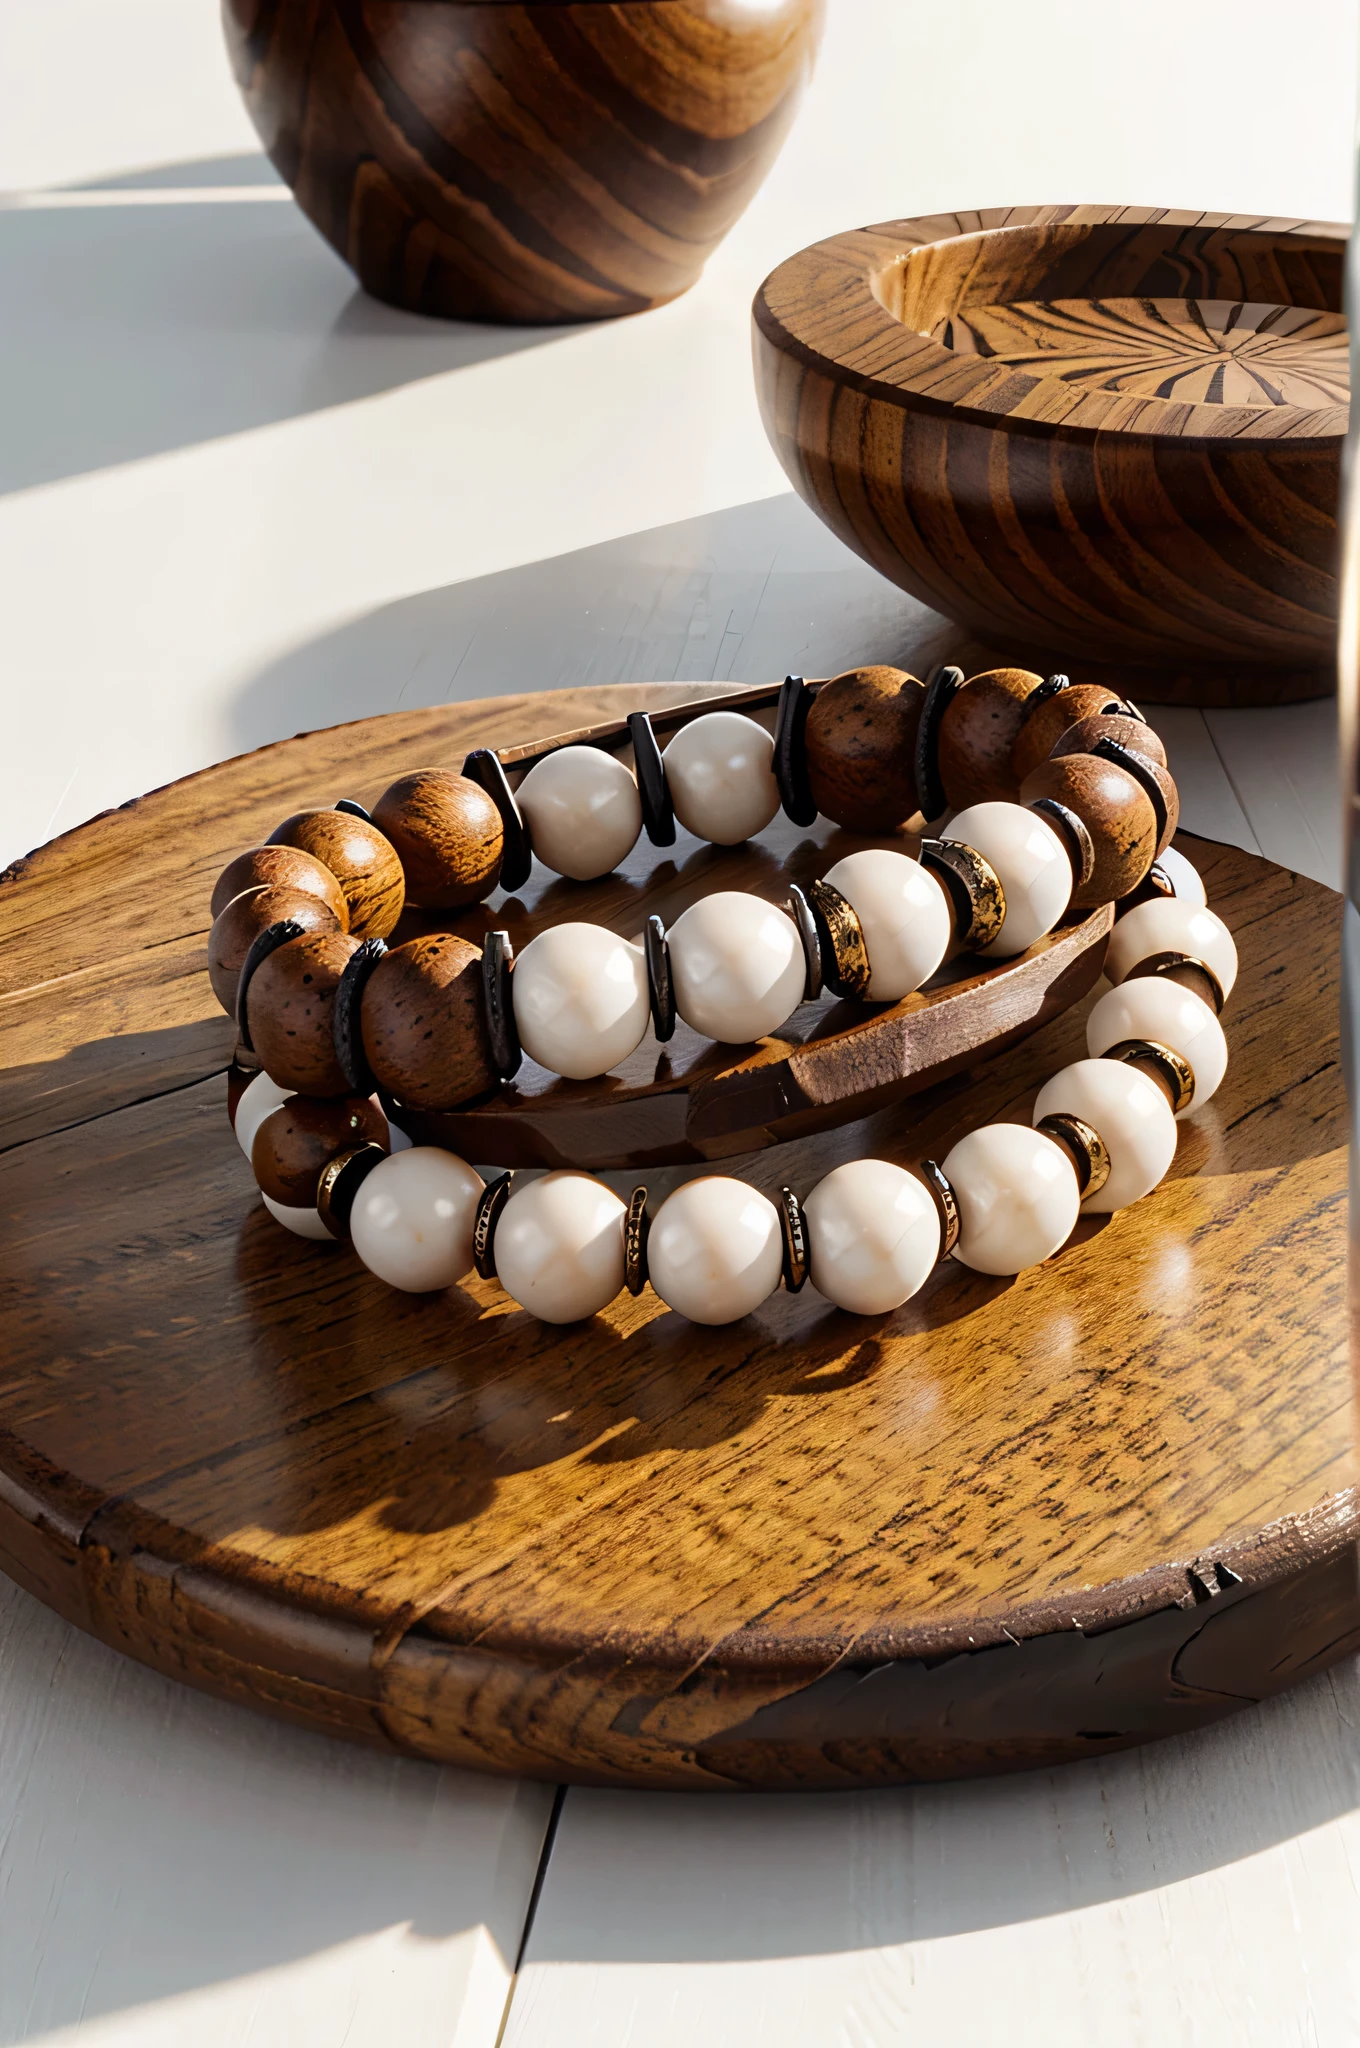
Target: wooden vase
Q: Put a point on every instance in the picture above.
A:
(1105, 439)
(483, 160)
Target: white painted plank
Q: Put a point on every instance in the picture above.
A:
(1285, 769)
(1204, 1890)
(176, 1871)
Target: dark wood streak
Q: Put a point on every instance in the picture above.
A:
(1009, 414)
(552, 161)
(1011, 1524)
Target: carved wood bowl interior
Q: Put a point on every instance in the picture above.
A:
(1014, 1522)
(551, 161)
(1108, 439)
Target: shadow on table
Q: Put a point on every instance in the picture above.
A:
(689, 1878)
(745, 595)
(138, 327)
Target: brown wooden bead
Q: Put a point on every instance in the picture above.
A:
(861, 745)
(1045, 724)
(424, 1023)
(448, 836)
(244, 918)
(363, 861)
(1115, 811)
(1083, 737)
(297, 1141)
(977, 733)
(280, 867)
(289, 1008)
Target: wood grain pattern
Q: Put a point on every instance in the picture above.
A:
(483, 160)
(1110, 435)
(1012, 1523)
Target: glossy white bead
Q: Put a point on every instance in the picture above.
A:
(737, 967)
(583, 810)
(559, 1246)
(302, 1222)
(259, 1099)
(412, 1219)
(1154, 1006)
(874, 1234)
(720, 773)
(716, 1250)
(1031, 864)
(1183, 876)
(1131, 1114)
(1017, 1196)
(903, 913)
(1166, 925)
(580, 999)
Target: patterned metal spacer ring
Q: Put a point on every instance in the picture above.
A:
(341, 1180)
(1085, 1147)
(1175, 964)
(490, 1203)
(947, 1202)
(974, 889)
(636, 1227)
(1173, 1067)
(797, 1252)
(845, 957)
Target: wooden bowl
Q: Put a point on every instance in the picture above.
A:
(1101, 436)
(1015, 1522)
(484, 160)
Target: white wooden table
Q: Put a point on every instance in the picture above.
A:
(237, 499)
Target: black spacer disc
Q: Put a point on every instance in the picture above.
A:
(261, 946)
(484, 768)
(790, 751)
(658, 813)
(346, 1028)
(348, 805)
(942, 687)
(660, 987)
(498, 959)
(1134, 765)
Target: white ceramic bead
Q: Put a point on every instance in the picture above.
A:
(737, 967)
(1131, 1114)
(583, 810)
(720, 773)
(874, 1234)
(559, 1246)
(302, 1222)
(1184, 878)
(580, 999)
(412, 1219)
(1031, 864)
(259, 1099)
(1017, 1196)
(715, 1250)
(1153, 1006)
(1166, 925)
(903, 913)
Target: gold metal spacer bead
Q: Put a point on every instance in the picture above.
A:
(1172, 1067)
(1083, 1145)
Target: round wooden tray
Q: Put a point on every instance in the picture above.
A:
(1106, 439)
(1013, 1523)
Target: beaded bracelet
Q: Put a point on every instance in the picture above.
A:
(437, 1022)
(298, 952)
(868, 1235)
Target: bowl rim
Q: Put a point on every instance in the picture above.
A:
(820, 306)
